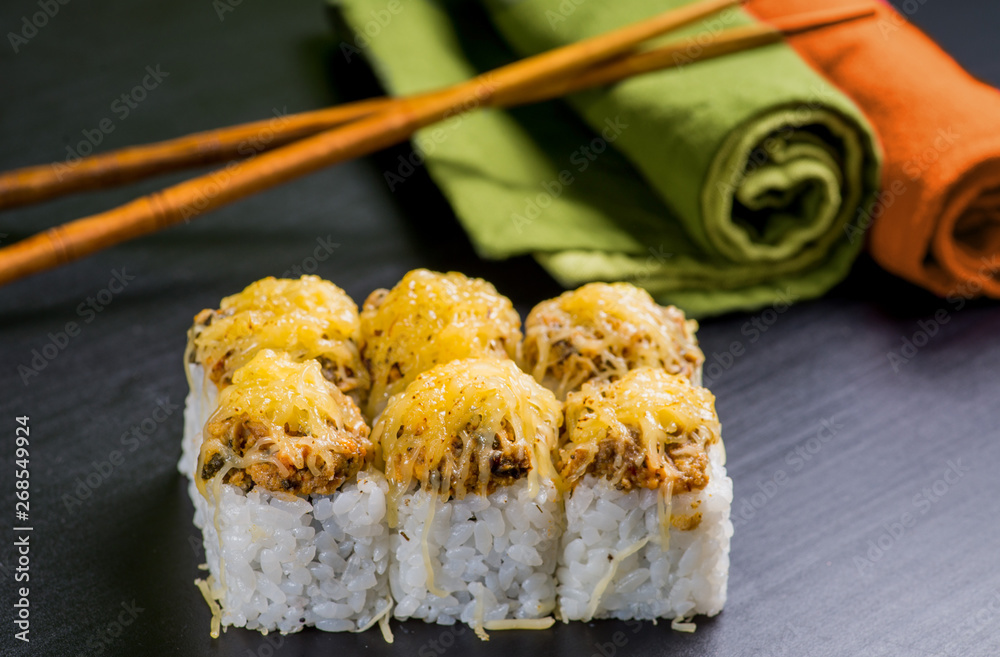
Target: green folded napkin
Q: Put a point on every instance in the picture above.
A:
(718, 186)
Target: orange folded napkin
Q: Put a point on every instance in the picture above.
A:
(937, 219)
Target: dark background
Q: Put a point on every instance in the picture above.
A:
(810, 506)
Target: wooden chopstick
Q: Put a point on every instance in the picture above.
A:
(683, 52)
(531, 79)
(43, 182)
(38, 183)
(188, 199)
(46, 181)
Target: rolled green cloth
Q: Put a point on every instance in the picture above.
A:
(719, 185)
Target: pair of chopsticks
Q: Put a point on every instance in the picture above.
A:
(309, 141)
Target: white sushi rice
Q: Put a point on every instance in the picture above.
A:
(603, 523)
(494, 557)
(199, 405)
(288, 562)
(325, 561)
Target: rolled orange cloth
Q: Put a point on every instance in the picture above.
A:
(937, 219)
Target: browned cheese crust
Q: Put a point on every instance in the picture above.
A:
(646, 430)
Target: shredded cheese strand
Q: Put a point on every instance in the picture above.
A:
(520, 624)
(595, 598)
(377, 618)
(204, 585)
(480, 612)
(188, 351)
(216, 511)
(664, 507)
(682, 625)
(383, 624)
(425, 547)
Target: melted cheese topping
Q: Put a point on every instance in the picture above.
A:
(287, 416)
(601, 331)
(428, 319)
(649, 429)
(308, 318)
(467, 424)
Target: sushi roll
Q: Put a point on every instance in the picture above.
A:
(308, 318)
(601, 331)
(473, 503)
(647, 503)
(293, 513)
(428, 319)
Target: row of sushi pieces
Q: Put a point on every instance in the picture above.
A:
(424, 459)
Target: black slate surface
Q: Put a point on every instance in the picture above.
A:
(867, 495)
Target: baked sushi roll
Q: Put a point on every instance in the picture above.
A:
(474, 508)
(293, 513)
(428, 319)
(307, 318)
(600, 331)
(647, 508)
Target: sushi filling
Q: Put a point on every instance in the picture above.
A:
(281, 425)
(649, 429)
(308, 318)
(601, 331)
(468, 426)
(428, 319)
